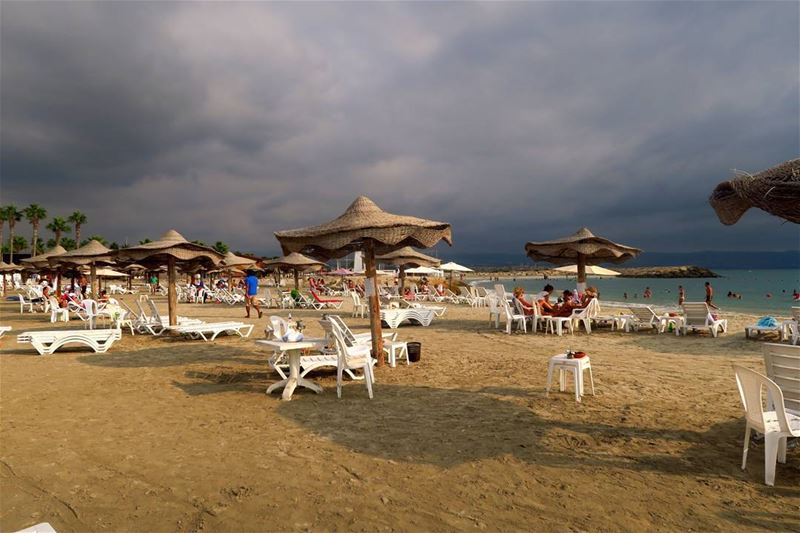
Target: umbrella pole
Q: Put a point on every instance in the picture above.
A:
(581, 273)
(172, 295)
(93, 281)
(402, 279)
(4, 284)
(296, 279)
(374, 304)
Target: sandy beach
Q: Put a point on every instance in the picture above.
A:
(162, 434)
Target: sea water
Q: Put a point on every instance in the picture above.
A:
(763, 292)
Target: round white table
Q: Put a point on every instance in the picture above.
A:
(293, 350)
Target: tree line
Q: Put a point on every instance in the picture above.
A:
(61, 227)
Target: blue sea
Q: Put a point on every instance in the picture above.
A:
(754, 286)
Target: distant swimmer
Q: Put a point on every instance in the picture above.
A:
(647, 293)
(625, 295)
(681, 295)
(769, 295)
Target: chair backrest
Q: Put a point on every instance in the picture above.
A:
(279, 327)
(493, 302)
(590, 311)
(646, 314)
(782, 362)
(90, 306)
(347, 334)
(752, 387)
(796, 313)
(695, 313)
(500, 290)
(53, 304)
(153, 309)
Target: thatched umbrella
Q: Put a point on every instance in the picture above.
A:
(171, 248)
(775, 190)
(92, 253)
(366, 227)
(8, 267)
(41, 261)
(295, 262)
(581, 248)
(407, 257)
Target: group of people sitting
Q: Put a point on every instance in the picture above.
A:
(564, 305)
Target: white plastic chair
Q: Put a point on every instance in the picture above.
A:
(782, 362)
(697, 316)
(57, 312)
(776, 424)
(353, 357)
(23, 303)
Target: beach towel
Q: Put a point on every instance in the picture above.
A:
(767, 322)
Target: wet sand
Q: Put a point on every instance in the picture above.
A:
(163, 434)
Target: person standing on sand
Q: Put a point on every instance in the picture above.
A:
(710, 295)
(251, 282)
(681, 295)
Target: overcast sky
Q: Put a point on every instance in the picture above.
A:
(511, 121)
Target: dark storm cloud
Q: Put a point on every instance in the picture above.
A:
(512, 121)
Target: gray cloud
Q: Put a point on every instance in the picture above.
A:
(512, 121)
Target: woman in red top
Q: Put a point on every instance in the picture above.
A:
(519, 294)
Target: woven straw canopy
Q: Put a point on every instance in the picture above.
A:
(294, 261)
(582, 246)
(10, 267)
(407, 256)
(363, 221)
(775, 190)
(40, 260)
(231, 260)
(171, 244)
(91, 252)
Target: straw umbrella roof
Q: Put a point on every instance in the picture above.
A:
(10, 267)
(775, 190)
(363, 221)
(41, 259)
(408, 256)
(231, 260)
(91, 252)
(171, 245)
(582, 245)
(294, 261)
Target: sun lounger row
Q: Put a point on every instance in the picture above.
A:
(47, 342)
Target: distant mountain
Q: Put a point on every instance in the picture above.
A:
(709, 259)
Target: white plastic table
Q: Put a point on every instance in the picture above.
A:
(562, 363)
(293, 349)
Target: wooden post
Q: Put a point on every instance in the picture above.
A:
(581, 273)
(374, 303)
(172, 295)
(296, 279)
(93, 281)
(402, 279)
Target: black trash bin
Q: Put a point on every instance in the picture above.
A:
(414, 351)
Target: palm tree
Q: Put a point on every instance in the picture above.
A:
(68, 243)
(3, 218)
(18, 244)
(58, 225)
(221, 247)
(12, 216)
(34, 213)
(78, 219)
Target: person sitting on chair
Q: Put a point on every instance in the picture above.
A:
(527, 306)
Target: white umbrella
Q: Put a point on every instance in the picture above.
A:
(454, 267)
(591, 270)
(426, 271)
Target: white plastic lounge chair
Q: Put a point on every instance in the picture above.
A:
(772, 420)
(43, 527)
(782, 362)
(394, 317)
(4, 330)
(331, 303)
(644, 317)
(756, 330)
(56, 312)
(208, 331)
(697, 316)
(791, 327)
(438, 310)
(467, 297)
(393, 347)
(355, 357)
(47, 342)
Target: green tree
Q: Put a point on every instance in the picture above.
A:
(3, 220)
(221, 247)
(12, 216)
(77, 219)
(35, 213)
(114, 246)
(97, 238)
(68, 243)
(58, 226)
(19, 244)
(145, 241)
